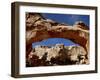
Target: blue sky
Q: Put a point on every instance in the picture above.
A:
(62, 18)
(67, 18)
(53, 41)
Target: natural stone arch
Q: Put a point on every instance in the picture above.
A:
(73, 33)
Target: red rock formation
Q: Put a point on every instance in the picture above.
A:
(79, 35)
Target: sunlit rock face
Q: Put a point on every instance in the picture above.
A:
(38, 28)
(59, 55)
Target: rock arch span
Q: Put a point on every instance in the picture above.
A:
(38, 28)
(77, 35)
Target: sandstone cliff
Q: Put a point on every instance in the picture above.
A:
(57, 55)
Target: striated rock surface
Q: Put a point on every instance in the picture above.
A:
(38, 28)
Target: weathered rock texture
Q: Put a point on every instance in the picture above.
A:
(57, 55)
(38, 28)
